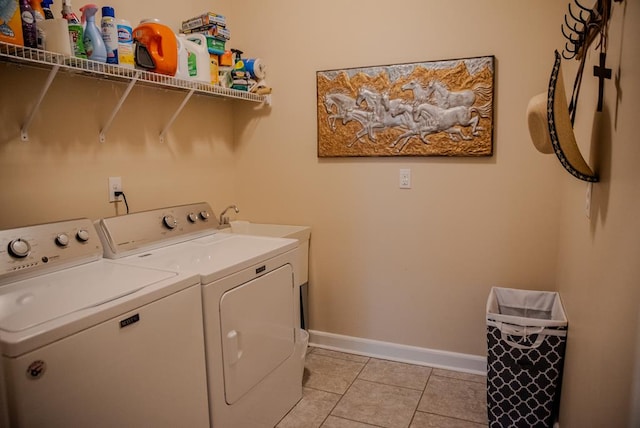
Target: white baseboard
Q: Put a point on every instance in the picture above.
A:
(467, 363)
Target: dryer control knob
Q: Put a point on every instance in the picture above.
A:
(82, 235)
(19, 248)
(192, 217)
(169, 221)
(62, 240)
(204, 215)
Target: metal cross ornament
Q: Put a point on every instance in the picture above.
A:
(601, 72)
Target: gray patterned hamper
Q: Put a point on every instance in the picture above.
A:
(526, 339)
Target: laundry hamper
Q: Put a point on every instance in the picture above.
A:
(526, 337)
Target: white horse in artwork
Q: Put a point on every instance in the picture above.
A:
(343, 105)
(444, 98)
(438, 94)
(398, 113)
(395, 106)
(420, 94)
(446, 119)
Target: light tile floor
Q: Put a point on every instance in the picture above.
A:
(351, 391)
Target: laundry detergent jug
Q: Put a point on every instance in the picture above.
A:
(156, 48)
(198, 64)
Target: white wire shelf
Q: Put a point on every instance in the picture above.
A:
(55, 62)
(45, 58)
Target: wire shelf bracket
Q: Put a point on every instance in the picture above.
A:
(24, 129)
(175, 115)
(56, 62)
(116, 109)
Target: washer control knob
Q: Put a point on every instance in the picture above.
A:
(169, 221)
(192, 217)
(19, 248)
(204, 215)
(62, 240)
(82, 235)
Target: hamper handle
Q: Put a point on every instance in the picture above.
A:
(507, 330)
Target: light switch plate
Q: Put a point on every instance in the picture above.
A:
(405, 178)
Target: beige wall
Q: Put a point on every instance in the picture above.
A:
(598, 270)
(412, 266)
(404, 266)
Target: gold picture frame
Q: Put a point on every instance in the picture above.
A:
(437, 108)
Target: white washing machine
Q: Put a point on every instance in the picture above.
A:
(250, 302)
(87, 342)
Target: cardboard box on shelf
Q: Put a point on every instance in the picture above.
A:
(11, 28)
(204, 20)
(214, 30)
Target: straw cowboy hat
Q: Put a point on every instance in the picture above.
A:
(550, 126)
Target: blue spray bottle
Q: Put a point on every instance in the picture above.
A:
(46, 7)
(93, 43)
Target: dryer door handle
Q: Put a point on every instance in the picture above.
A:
(233, 347)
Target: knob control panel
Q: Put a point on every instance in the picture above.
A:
(170, 221)
(126, 235)
(19, 248)
(82, 235)
(62, 240)
(47, 247)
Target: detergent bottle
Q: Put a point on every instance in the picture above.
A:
(38, 14)
(110, 34)
(76, 34)
(93, 43)
(29, 31)
(182, 66)
(156, 48)
(199, 67)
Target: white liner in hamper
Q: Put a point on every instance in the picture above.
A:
(526, 313)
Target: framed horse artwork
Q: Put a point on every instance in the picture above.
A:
(439, 108)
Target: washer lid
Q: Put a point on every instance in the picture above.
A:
(28, 303)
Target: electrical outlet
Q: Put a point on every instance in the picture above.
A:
(115, 185)
(405, 179)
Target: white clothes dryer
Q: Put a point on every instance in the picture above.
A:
(89, 342)
(250, 305)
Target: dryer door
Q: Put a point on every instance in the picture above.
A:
(257, 325)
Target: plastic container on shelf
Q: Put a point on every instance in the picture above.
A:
(109, 32)
(29, 30)
(55, 33)
(76, 33)
(38, 14)
(125, 43)
(93, 43)
(199, 63)
(156, 48)
(182, 71)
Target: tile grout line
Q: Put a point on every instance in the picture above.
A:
(432, 376)
(421, 395)
(453, 417)
(345, 391)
